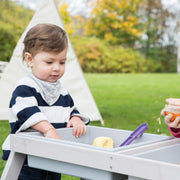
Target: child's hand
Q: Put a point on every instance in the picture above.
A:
(78, 125)
(172, 101)
(167, 118)
(163, 112)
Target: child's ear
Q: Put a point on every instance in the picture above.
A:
(28, 58)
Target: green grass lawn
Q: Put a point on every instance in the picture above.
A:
(125, 101)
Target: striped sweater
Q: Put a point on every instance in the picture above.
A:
(34, 100)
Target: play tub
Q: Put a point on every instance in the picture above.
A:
(86, 141)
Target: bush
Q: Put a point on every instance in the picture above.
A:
(96, 55)
(166, 56)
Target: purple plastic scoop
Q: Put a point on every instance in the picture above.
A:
(135, 134)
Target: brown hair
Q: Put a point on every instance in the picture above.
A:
(45, 37)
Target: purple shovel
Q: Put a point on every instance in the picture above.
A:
(135, 134)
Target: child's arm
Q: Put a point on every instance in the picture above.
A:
(47, 129)
(79, 128)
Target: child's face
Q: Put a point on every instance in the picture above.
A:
(47, 66)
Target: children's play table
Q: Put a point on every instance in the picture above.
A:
(149, 157)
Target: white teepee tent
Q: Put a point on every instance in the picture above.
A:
(73, 78)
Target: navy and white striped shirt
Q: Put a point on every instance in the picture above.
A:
(33, 101)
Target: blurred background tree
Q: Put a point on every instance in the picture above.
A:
(108, 32)
(67, 18)
(13, 20)
(118, 22)
(142, 25)
(153, 46)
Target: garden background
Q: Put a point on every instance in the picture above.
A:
(127, 50)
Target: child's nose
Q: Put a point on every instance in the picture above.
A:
(56, 67)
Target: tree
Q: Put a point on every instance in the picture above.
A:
(116, 21)
(13, 21)
(67, 19)
(156, 24)
(158, 21)
(126, 23)
(73, 24)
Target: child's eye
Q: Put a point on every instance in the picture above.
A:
(49, 62)
(62, 63)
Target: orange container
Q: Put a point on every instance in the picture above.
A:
(174, 115)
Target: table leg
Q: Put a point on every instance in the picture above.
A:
(13, 166)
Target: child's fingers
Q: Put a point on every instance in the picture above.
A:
(69, 124)
(85, 130)
(79, 130)
(169, 100)
(75, 130)
(173, 101)
(163, 112)
(175, 123)
(167, 119)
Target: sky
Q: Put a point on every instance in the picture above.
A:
(80, 4)
(171, 5)
(75, 6)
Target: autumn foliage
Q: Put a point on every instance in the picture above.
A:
(108, 40)
(116, 21)
(97, 55)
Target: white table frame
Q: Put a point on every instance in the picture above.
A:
(122, 162)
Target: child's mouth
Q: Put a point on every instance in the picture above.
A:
(54, 76)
